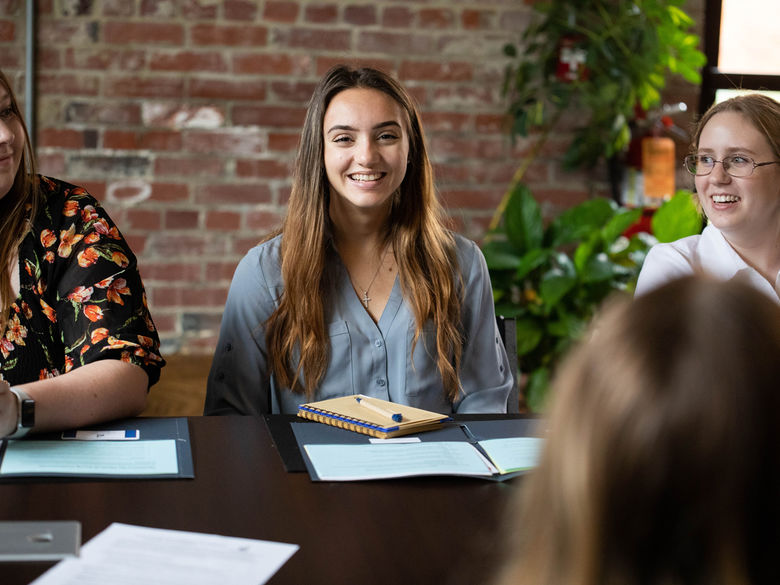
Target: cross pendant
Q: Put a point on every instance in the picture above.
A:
(365, 299)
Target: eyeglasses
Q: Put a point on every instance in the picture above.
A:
(736, 166)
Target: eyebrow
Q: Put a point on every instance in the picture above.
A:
(728, 150)
(351, 129)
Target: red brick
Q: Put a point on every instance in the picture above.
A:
(164, 323)
(160, 140)
(48, 58)
(361, 15)
(169, 192)
(176, 219)
(436, 71)
(138, 86)
(11, 60)
(95, 188)
(232, 141)
(223, 220)
(70, 85)
(60, 138)
(142, 219)
(158, 8)
(395, 43)
(188, 167)
(192, 245)
(221, 89)
(173, 271)
(267, 169)
(263, 221)
(321, 13)
(262, 64)
(198, 9)
(189, 296)
(274, 116)
(186, 61)
(318, 39)
(492, 123)
(242, 10)
(325, 63)
(397, 17)
(102, 59)
(478, 19)
(283, 142)
(445, 121)
(276, 11)
(118, 8)
(230, 35)
(292, 91)
(108, 113)
(120, 140)
(471, 198)
(51, 164)
(242, 245)
(7, 31)
(146, 33)
(60, 31)
(436, 18)
(220, 271)
(137, 242)
(233, 193)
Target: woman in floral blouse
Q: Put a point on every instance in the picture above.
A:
(77, 337)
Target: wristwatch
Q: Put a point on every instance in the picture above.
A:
(25, 418)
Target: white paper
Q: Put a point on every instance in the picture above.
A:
(367, 461)
(513, 453)
(132, 555)
(91, 457)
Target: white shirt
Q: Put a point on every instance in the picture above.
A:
(708, 253)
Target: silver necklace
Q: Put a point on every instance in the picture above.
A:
(366, 299)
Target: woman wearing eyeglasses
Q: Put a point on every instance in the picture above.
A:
(736, 165)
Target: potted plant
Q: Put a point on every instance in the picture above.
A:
(551, 279)
(603, 61)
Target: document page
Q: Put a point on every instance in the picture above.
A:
(380, 461)
(131, 555)
(123, 458)
(513, 453)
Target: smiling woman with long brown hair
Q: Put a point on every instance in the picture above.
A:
(364, 289)
(78, 345)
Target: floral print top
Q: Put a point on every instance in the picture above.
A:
(80, 298)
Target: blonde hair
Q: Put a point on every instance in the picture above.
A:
(661, 462)
(424, 249)
(17, 207)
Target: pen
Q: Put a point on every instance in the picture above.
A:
(395, 416)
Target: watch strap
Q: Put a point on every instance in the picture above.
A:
(25, 418)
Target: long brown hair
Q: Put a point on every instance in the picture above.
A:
(661, 464)
(17, 207)
(424, 248)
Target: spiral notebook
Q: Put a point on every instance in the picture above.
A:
(372, 416)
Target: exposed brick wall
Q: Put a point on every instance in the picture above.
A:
(182, 117)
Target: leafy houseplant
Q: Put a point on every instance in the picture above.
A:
(603, 60)
(552, 279)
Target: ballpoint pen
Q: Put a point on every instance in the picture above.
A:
(363, 401)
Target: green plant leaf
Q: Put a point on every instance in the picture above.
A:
(523, 220)
(676, 218)
(529, 334)
(536, 389)
(579, 221)
(500, 255)
(619, 223)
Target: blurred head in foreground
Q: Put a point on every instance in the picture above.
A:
(661, 461)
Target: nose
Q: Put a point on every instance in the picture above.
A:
(366, 152)
(6, 133)
(719, 174)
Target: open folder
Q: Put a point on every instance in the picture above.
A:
(488, 449)
(132, 448)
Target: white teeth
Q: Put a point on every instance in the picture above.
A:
(725, 198)
(366, 177)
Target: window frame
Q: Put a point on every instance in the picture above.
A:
(711, 77)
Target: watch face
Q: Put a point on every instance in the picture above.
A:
(28, 413)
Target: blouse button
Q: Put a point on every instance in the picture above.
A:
(381, 381)
(228, 346)
(378, 343)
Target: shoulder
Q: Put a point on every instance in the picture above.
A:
(261, 265)
(668, 261)
(61, 200)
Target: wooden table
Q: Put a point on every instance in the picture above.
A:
(418, 530)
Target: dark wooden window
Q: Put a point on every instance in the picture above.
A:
(750, 67)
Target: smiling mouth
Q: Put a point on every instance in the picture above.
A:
(365, 177)
(725, 198)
